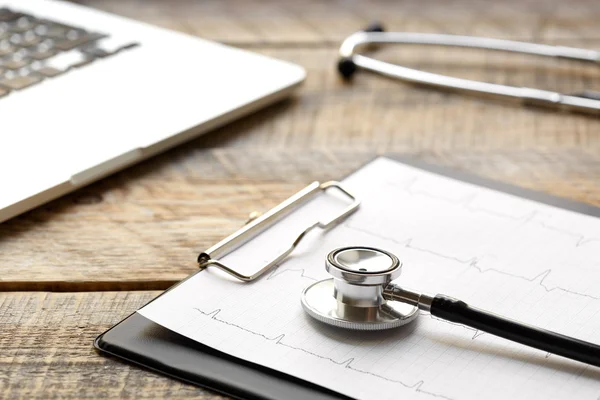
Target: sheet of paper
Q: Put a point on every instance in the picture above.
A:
(515, 257)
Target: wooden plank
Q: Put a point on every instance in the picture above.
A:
(144, 227)
(271, 22)
(46, 341)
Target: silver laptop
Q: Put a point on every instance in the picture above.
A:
(84, 94)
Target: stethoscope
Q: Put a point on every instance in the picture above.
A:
(362, 296)
(350, 60)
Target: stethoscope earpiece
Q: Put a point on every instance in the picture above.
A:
(346, 66)
(361, 295)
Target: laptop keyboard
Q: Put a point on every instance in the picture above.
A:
(34, 49)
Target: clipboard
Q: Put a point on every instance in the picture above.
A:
(147, 344)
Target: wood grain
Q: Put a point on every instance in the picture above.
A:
(46, 341)
(141, 229)
(248, 23)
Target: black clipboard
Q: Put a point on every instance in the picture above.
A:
(145, 343)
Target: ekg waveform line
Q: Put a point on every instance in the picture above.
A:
(347, 363)
(476, 332)
(581, 239)
(276, 272)
(472, 262)
(467, 203)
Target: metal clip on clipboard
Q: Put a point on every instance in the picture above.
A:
(210, 258)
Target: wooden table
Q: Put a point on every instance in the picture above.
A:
(74, 267)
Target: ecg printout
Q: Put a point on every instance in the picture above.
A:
(515, 257)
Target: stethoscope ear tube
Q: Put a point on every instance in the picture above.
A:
(458, 311)
(346, 65)
(350, 60)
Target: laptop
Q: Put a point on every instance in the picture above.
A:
(84, 94)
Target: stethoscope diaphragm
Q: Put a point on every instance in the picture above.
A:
(361, 295)
(353, 298)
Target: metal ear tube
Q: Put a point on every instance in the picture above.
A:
(352, 58)
(361, 296)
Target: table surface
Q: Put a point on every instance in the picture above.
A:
(74, 267)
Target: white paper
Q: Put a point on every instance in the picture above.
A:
(515, 257)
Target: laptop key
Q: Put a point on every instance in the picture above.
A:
(4, 33)
(25, 39)
(52, 30)
(21, 24)
(15, 62)
(6, 48)
(76, 38)
(34, 49)
(41, 52)
(17, 82)
(48, 72)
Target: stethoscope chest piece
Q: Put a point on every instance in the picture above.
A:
(362, 296)
(353, 298)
